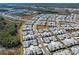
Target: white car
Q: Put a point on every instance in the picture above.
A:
(55, 45)
(69, 42)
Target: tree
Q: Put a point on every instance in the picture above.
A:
(6, 40)
(8, 37)
(1, 18)
(11, 28)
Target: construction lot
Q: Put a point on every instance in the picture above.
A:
(51, 34)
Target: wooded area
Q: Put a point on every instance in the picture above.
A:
(8, 31)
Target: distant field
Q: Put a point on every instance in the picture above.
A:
(20, 5)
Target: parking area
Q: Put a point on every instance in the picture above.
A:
(47, 34)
